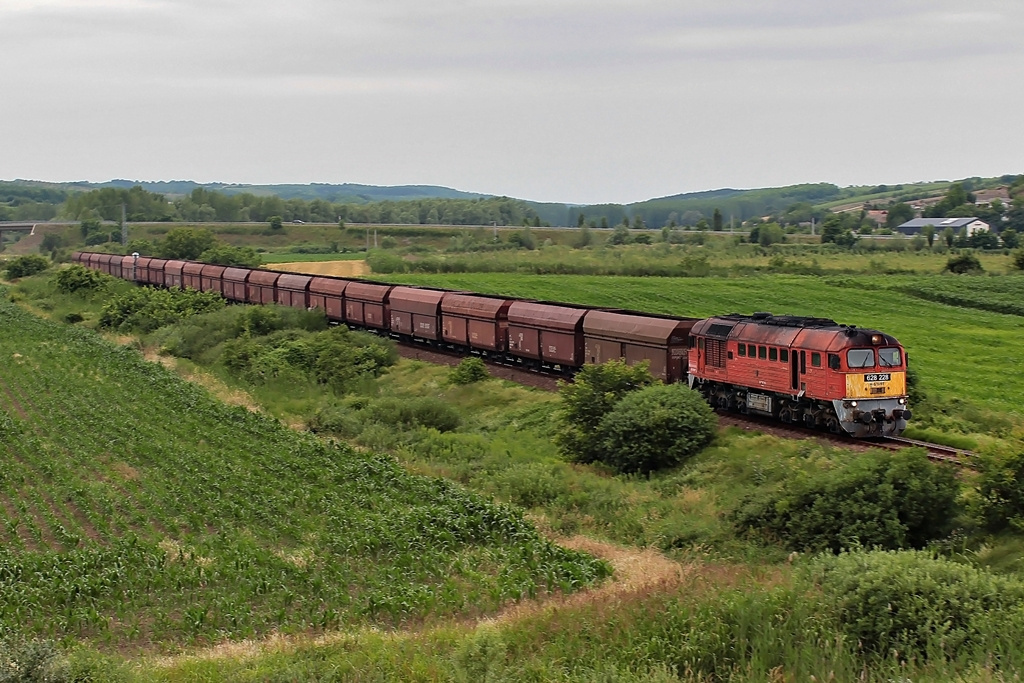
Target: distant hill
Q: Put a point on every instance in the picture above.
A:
(346, 192)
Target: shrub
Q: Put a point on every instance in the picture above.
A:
(468, 371)
(425, 411)
(587, 399)
(1018, 259)
(1002, 492)
(145, 309)
(23, 266)
(964, 264)
(36, 660)
(913, 603)
(655, 428)
(336, 420)
(878, 499)
(78, 278)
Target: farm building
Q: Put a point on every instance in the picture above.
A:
(915, 226)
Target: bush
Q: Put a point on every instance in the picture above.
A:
(655, 428)
(964, 264)
(78, 278)
(587, 399)
(878, 499)
(145, 309)
(36, 660)
(425, 411)
(336, 420)
(915, 604)
(468, 371)
(1002, 492)
(1018, 259)
(24, 266)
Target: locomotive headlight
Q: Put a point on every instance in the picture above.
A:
(853, 404)
(902, 401)
(876, 339)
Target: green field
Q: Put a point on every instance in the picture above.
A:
(139, 512)
(959, 352)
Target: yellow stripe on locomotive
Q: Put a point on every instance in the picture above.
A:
(876, 385)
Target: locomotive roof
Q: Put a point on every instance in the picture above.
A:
(786, 329)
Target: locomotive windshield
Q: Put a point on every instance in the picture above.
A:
(860, 358)
(889, 358)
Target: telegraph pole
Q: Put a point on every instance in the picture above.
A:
(124, 226)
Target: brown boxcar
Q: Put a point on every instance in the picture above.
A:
(157, 267)
(479, 322)
(105, 265)
(142, 270)
(211, 279)
(293, 290)
(78, 257)
(636, 337)
(416, 312)
(191, 275)
(129, 269)
(172, 273)
(366, 304)
(327, 293)
(234, 283)
(550, 333)
(261, 286)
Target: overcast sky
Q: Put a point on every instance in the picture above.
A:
(554, 100)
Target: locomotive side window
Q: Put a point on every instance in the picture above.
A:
(751, 350)
(742, 348)
(889, 358)
(833, 361)
(762, 352)
(816, 359)
(784, 355)
(860, 358)
(773, 353)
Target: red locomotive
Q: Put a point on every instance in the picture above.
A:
(802, 370)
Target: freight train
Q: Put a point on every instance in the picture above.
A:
(802, 370)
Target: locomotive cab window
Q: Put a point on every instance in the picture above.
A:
(889, 358)
(751, 350)
(816, 360)
(784, 355)
(860, 358)
(742, 348)
(773, 353)
(700, 343)
(762, 352)
(833, 361)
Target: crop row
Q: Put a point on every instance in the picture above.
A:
(138, 509)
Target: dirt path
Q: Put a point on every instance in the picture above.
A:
(637, 570)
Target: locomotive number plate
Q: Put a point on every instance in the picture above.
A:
(878, 377)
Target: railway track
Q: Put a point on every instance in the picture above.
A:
(937, 452)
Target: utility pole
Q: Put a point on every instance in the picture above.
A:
(375, 238)
(812, 226)
(124, 226)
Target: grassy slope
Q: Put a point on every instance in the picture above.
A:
(138, 510)
(960, 352)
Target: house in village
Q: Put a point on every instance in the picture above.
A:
(916, 225)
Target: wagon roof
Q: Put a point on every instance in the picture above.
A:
(416, 300)
(193, 268)
(292, 281)
(473, 306)
(637, 327)
(174, 266)
(367, 291)
(236, 274)
(144, 261)
(552, 316)
(263, 277)
(213, 270)
(330, 286)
